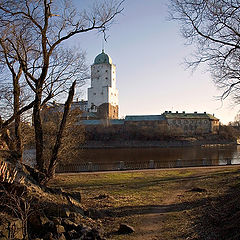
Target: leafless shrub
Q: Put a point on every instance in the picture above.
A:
(228, 132)
(17, 203)
(133, 131)
(72, 139)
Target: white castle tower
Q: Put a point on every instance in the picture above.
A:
(103, 94)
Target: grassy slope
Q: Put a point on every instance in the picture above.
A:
(159, 205)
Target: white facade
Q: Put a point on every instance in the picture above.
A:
(103, 83)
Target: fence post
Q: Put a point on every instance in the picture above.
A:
(79, 168)
(151, 164)
(90, 166)
(179, 162)
(229, 161)
(204, 162)
(121, 165)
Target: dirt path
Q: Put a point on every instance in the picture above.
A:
(151, 223)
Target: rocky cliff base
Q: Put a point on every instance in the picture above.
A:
(31, 211)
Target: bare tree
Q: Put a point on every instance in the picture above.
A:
(236, 122)
(38, 30)
(213, 27)
(66, 66)
(8, 58)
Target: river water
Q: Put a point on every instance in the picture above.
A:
(142, 158)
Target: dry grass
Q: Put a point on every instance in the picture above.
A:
(160, 204)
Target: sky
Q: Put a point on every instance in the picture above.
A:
(149, 53)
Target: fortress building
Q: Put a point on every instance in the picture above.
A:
(101, 108)
(185, 124)
(103, 94)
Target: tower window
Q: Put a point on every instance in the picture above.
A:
(106, 70)
(97, 70)
(106, 78)
(94, 93)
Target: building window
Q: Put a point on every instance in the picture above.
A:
(106, 70)
(106, 77)
(94, 94)
(97, 70)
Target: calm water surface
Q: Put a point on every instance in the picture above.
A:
(137, 158)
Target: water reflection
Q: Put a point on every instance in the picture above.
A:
(145, 158)
(207, 155)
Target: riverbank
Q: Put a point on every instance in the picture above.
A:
(187, 142)
(162, 204)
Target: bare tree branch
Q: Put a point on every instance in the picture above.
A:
(213, 26)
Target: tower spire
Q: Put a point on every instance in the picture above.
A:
(103, 45)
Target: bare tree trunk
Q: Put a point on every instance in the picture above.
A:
(16, 106)
(54, 157)
(38, 132)
(6, 136)
(8, 140)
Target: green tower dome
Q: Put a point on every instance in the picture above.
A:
(103, 58)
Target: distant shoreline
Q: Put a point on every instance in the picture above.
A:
(155, 144)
